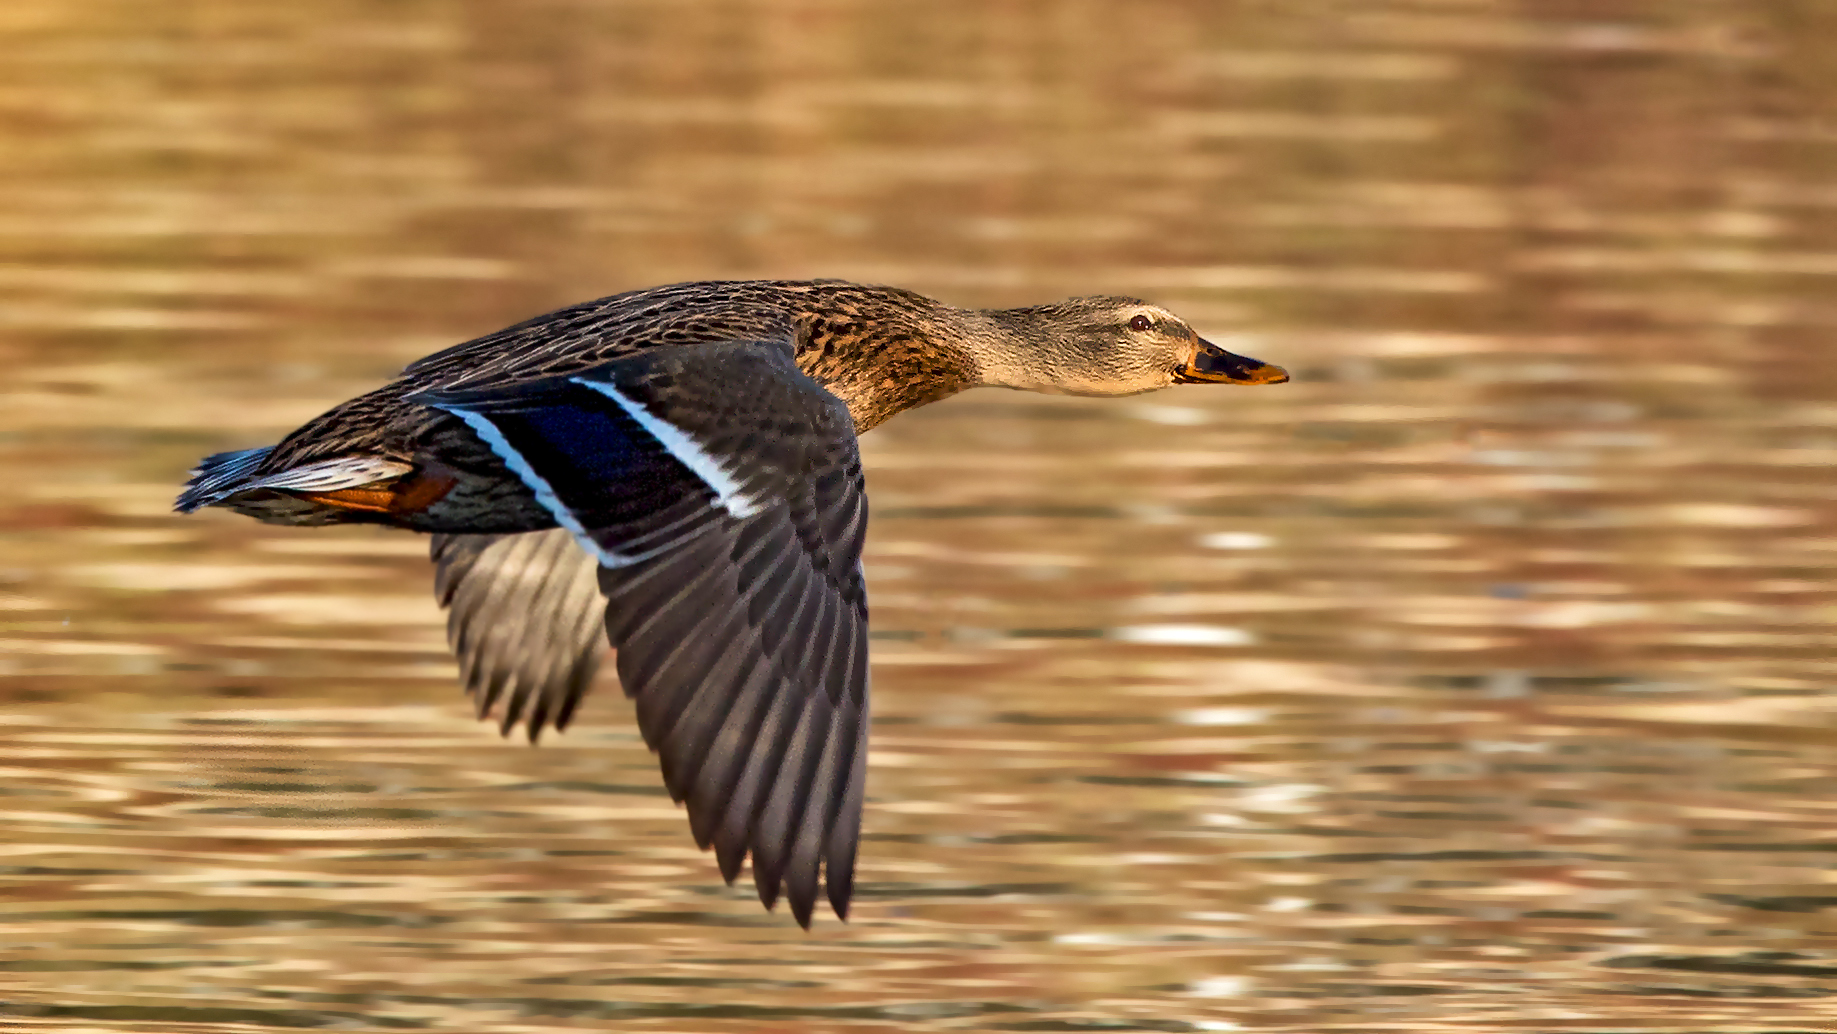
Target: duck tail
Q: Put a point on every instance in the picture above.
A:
(322, 492)
(219, 475)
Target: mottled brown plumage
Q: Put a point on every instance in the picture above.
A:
(881, 350)
(684, 457)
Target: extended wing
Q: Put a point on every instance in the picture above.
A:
(526, 620)
(719, 490)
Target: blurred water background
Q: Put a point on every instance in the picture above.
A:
(1475, 681)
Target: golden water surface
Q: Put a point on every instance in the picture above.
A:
(1478, 680)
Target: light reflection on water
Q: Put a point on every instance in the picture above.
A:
(1472, 682)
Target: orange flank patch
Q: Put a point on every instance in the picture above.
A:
(412, 494)
(376, 500)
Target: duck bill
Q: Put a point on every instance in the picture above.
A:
(1213, 365)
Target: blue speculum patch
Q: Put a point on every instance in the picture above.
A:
(601, 464)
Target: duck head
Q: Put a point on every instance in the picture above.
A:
(1108, 346)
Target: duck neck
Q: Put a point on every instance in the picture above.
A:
(882, 363)
(1022, 349)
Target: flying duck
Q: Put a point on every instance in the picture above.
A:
(678, 467)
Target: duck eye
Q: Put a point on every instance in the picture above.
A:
(1141, 323)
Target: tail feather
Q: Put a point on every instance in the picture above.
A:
(228, 473)
(218, 475)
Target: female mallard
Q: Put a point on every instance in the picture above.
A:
(697, 442)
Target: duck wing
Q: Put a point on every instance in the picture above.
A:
(525, 619)
(719, 489)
